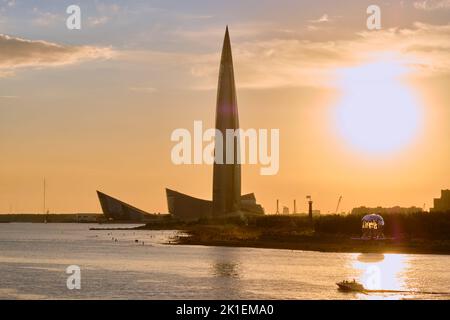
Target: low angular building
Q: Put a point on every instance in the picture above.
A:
(117, 210)
(187, 208)
(226, 193)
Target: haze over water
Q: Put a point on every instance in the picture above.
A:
(34, 257)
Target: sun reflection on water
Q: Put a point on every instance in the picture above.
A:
(381, 271)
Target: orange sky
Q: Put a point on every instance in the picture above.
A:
(94, 110)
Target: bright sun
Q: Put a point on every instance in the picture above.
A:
(377, 113)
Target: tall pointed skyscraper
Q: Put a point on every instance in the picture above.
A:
(227, 199)
(227, 177)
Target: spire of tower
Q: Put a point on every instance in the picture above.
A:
(227, 177)
(227, 58)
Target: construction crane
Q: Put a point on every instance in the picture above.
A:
(338, 204)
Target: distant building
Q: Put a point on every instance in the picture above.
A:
(316, 213)
(116, 210)
(285, 210)
(185, 207)
(249, 204)
(442, 204)
(381, 210)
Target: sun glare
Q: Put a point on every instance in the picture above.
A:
(377, 112)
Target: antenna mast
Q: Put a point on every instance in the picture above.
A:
(44, 197)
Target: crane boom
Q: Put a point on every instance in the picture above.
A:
(338, 204)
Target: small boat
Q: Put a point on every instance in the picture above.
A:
(350, 286)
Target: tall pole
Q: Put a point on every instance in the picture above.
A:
(310, 203)
(295, 207)
(278, 206)
(310, 208)
(44, 197)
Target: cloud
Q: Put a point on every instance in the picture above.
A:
(274, 60)
(10, 3)
(98, 21)
(4, 6)
(213, 33)
(16, 53)
(112, 8)
(190, 16)
(45, 19)
(143, 89)
(106, 13)
(321, 23)
(322, 19)
(7, 4)
(430, 5)
(423, 48)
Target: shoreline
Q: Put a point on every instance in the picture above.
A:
(377, 248)
(241, 237)
(306, 239)
(405, 233)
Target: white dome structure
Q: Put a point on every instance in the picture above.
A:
(372, 226)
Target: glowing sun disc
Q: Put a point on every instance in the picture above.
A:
(377, 113)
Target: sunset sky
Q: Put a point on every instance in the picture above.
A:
(94, 109)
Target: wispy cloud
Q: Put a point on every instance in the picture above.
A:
(46, 19)
(5, 5)
(143, 89)
(20, 53)
(105, 13)
(10, 3)
(211, 34)
(111, 8)
(431, 5)
(188, 16)
(322, 19)
(98, 21)
(280, 62)
(290, 62)
(321, 23)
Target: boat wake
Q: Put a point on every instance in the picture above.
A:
(404, 291)
(353, 286)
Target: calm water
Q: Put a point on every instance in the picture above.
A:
(34, 258)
